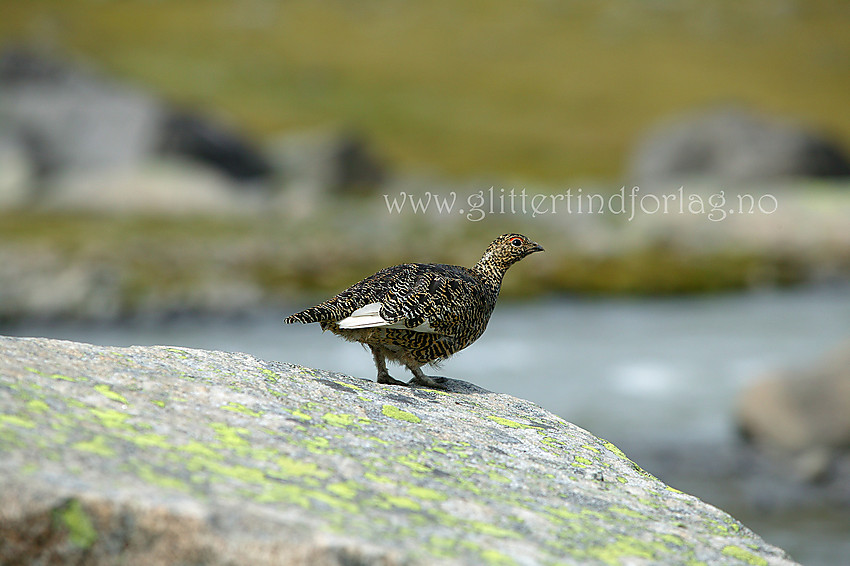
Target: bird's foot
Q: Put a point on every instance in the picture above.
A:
(387, 379)
(429, 381)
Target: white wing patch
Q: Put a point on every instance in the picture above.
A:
(365, 317)
(369, 316)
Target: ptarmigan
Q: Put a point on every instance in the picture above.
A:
(419, 313)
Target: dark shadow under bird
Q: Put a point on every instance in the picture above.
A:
(420, 313)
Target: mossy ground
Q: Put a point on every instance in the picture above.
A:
(146, 265)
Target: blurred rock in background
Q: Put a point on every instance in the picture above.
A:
(192, 135)
(73, 139)
(801, 417)
(317, 164)
(327, 161)
(733, 144)
(69, 119)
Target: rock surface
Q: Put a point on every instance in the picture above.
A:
(162, 455)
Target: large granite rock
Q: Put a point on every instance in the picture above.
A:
(162, 455)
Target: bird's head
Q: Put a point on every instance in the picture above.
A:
(508, 249)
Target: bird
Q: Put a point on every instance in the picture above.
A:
(417, 314)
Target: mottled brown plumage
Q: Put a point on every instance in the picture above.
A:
(419, 313)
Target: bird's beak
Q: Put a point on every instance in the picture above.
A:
(535, 248)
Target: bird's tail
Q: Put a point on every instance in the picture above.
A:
(313, 314)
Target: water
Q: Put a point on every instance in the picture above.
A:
(633, 371)
(624, 369)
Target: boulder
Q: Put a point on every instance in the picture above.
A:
(169, 187)
(189, 134)
(733, 144)
(801, 417)
(325, 162)
(74, 121)
(164, 455)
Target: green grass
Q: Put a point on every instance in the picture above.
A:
(546, 90)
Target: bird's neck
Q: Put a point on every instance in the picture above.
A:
(491, 273)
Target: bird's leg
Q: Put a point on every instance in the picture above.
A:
(420, 378)
(381, 363)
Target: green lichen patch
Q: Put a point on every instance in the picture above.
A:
(182, 354)
(74, 519)
(55, 376)
(317, 445)
(491, 530)
(425, 493)
(628, 547)
(495, 558)
(508, 422)
(343, 419)
(345, 490)
(230, 436)
(148, 439)
(107, 392)
(163, 480)
(497, 477)
(291, 467)
(414, 463)
(743, 555)
(15, 420)
(300, 414)
(196, 448)
(672, 540)
(111, 418)
(219, 470)
(631, 513)
(614, 450)
(398, 501)
(237, 408)
(37, 406)
(270, 375)
(399, 414)
(97, 445)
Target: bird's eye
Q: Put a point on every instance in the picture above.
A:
(516, 242)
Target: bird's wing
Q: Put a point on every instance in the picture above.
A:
(369, 316)
(373, 289)
(423, 298)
